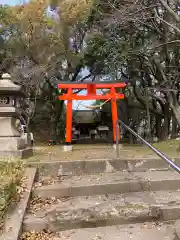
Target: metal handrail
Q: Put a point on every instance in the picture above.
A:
(160, 154)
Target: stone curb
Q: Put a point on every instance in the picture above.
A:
(59, 190)
(134, 231)
(177, 230)
(40, 224)
(21, 154)
(93, 166)
(13, 223)
(55, 223)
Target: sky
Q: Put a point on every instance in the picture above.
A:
(76, 104)
(11, 2)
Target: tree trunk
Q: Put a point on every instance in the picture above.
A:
(174, 132)
(175, 107)
(158, 126)
(53, 128)
(176, 113)
(59, 110)
(131, 140)
(165, 129)
(162, 132)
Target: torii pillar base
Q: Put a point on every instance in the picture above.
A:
(67, 148)
(119, 145)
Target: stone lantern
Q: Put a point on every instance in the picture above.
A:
(12, 116)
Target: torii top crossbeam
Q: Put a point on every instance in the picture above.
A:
(91, 88)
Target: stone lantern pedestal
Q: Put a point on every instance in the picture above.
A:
(11, 117)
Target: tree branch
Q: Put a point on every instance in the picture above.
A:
(169, 24)
(170, 11)
(141, 101)
(84, 78)
(170, 42)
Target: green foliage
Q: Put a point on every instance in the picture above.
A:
(105, 54)
(10, 179)
(5, 14)
(107, 37)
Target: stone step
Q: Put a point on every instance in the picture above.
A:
(109, 183)
(95, 166)
(105, 210)
(146, 231)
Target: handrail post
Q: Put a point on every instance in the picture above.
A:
(117, 139)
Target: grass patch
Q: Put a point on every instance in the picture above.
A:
(169, 147)
(171, 144)
(10, 180)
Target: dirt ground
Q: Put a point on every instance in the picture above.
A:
(102, 151)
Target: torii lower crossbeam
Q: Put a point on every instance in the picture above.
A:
(91, 95)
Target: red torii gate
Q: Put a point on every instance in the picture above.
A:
(91, 95)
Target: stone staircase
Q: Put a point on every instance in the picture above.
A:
(106, 199)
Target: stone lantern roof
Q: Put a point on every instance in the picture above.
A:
(8, 87)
